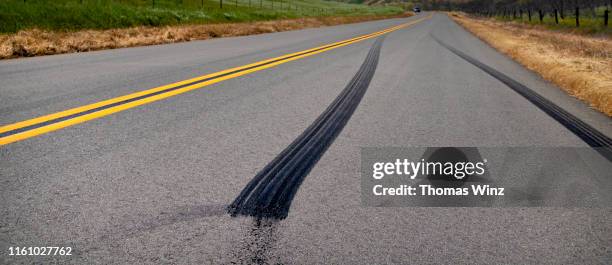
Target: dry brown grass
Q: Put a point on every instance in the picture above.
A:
(37, 42)
(579, 64)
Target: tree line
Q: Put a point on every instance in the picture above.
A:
(532, 9)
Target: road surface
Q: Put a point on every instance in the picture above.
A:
(151, 184)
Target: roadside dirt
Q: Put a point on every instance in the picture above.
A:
(36, 42)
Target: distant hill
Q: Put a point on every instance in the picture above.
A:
(401, 2)
(406, 4)
(371, 2)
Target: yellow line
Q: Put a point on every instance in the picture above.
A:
(279, 60)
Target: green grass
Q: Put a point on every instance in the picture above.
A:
(71, 15)
(588, 23)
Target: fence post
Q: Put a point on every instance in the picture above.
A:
(577, 16)
(529, 14)
(606, 15)
(541, 13)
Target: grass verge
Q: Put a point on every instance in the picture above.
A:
(37, 42)
(74, 15)
(579, 64)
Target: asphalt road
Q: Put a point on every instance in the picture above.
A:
(150, 184)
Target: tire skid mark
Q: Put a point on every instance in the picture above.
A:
(258, 243)
(594, 138)
(270, 193)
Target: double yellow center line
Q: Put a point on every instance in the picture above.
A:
(29, 128)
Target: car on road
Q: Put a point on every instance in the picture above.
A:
(416, 9)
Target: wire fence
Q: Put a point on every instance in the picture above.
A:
(558, 11)
(278, 5)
